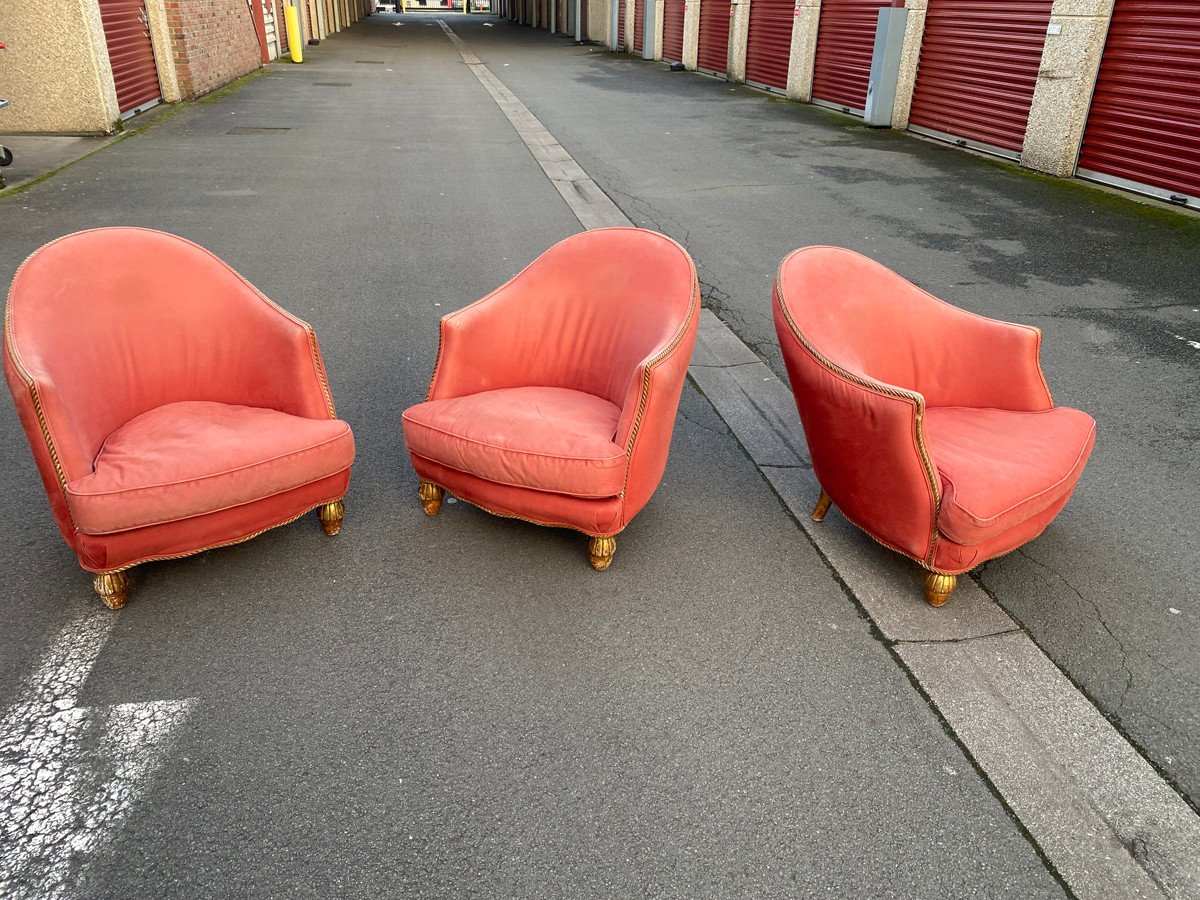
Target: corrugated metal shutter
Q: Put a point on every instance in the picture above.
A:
(714, 36)
(560, 12)
(639, 24)
(1143, 130)
(127, 33)
(769, 42)
(621, 25)
(978, 68)
(673, 30)
(845, 41)
(583, 19)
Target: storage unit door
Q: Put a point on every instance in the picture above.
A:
(1143, 131)
(845, 42)
(127, 33)
(977, 71)
(714, 36)
(673, 30)
(620, 23)
(769, 42)
(560, 13)
(639, 24)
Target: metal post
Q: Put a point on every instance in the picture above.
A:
(885, 66)
(578, 22)
(648, 26)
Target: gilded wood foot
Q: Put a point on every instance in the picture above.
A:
(600, 552)
(822, 507)
(939, 587)
(331, 516)
(113, 588)
(431, 497)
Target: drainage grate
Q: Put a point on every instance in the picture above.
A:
(370, 62)
(331, 83)
(249, 129)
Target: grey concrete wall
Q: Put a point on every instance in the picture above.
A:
(1066, 80)
(804, 50)
(55, 71)
(739, 31)
(691, 33)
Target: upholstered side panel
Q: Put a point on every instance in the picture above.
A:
(651, 408)
(866, 448)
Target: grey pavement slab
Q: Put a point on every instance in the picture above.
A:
(741, 179)
(1101, 813)
(34, 155)
(460, 705)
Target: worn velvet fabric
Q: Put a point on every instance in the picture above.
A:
(554, 397)
(169, 405)
(930, 427)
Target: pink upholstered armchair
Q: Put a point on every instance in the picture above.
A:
(171, 408)
(931, 428)
(554, 397)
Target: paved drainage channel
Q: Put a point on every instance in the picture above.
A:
(1100, 814)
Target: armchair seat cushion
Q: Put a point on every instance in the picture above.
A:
(544, 438)
(999, 468)
(195, 457)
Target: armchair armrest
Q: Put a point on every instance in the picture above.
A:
(971, 360)
(479, 349)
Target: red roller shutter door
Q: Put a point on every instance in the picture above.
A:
(714, 36)
(560, 13)
(639, 24)
(621, 24)
(1143, 130)
(673, 30)
(978, 68)
(845, 42)
(769, 42)
(127, 34)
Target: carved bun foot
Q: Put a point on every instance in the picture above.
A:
(113, 588)
(600, 552)
(938, 587)
(431, 497)
(331, 516)
(822, 507)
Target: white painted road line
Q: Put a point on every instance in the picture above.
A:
(70, 775)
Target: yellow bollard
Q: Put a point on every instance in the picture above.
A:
(291, 18)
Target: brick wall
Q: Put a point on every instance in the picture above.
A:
(214, 42)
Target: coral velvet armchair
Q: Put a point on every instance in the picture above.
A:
(931, 428)
(554, 397)
(170, 407)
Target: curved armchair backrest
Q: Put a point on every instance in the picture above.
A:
(584, 315)
(110, 323)
(872, 322)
